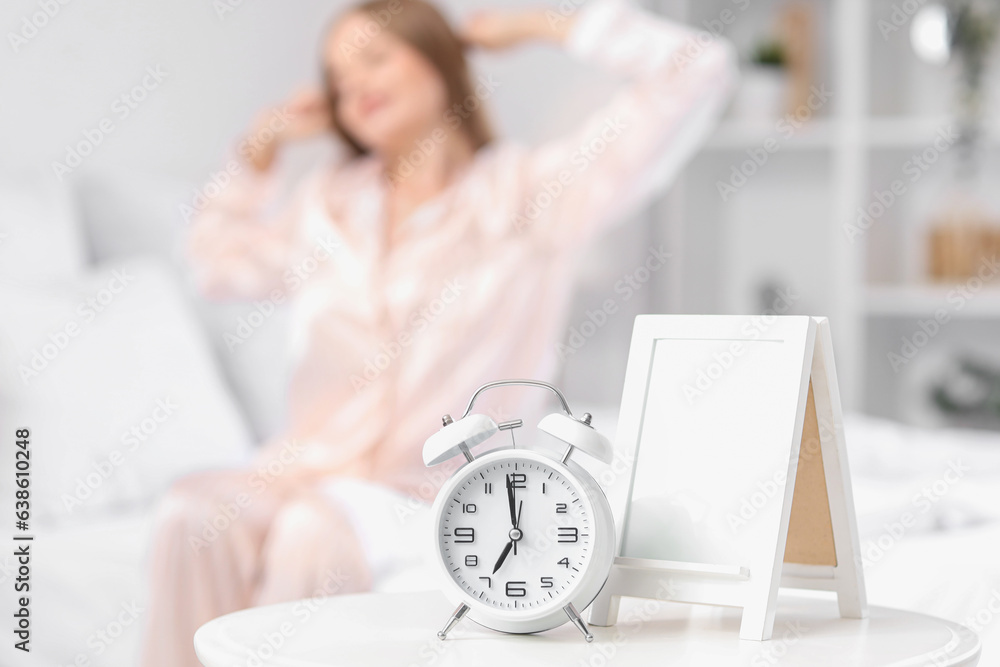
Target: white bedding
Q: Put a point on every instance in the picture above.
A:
(947, 563)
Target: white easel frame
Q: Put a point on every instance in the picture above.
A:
(739, 586)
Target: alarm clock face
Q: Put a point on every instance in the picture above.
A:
(517, 535)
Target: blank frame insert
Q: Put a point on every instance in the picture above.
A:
(700, 478)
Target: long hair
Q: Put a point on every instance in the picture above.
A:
(421, 26)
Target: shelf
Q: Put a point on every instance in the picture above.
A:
(740, 135)
(912, 132)
(881, 132)
(917, 301)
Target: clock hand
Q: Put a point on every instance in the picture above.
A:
(513, 542)
(510, 502)
(519, 504)
(503, 556)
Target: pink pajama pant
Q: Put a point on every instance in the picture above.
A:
(224, 541)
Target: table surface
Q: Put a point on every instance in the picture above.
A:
(399, 630)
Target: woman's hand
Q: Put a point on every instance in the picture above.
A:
(501, 30)
(305, 115)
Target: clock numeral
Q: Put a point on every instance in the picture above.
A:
(518, 480)
(468, 535)
(489, 487)
(471, 561)
(547, 582)
(562, 508)
(516, 589)
(567, 534)
(543, 488)
(489, 582)
(469, 508)
(564, 562)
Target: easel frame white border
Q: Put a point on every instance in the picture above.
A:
(714, 585)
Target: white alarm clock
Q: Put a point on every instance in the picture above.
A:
(524, 540)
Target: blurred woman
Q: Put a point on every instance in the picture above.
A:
(429, 260)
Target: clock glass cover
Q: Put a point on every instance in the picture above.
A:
(516, 534)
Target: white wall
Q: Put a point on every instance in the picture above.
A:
(220, 69)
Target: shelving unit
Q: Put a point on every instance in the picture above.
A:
(738, 135)
(918, 301)
(786, 226)
(912, 132)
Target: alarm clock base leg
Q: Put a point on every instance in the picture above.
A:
(574, 616)
(455, 618)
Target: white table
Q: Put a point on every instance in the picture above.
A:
(399, 630)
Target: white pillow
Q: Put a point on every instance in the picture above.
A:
(128, 213)
(134, 213)
(117, 384)
(40, 239)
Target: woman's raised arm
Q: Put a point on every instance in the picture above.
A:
(677, 82)
(239, 246)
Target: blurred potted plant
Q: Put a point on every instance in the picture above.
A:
(763, 89)
(973, 36)
(779, 75)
